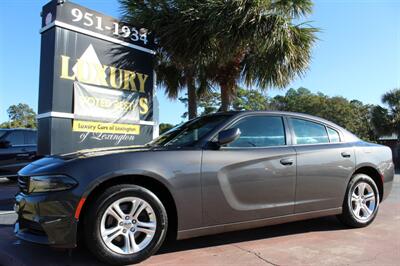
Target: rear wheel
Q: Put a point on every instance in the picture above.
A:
(361, 202)
(126, 225)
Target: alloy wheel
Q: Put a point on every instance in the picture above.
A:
(128, 225)
(363, 201)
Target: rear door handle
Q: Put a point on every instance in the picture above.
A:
(346, 154)
(287, 161)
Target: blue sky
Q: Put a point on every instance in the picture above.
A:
(358, 55)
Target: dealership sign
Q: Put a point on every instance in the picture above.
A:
(97, 81)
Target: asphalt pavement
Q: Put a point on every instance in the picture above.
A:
(322, 241)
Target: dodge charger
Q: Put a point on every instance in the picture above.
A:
(217, 173)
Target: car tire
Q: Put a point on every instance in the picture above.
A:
(147, 225)
(361, 202)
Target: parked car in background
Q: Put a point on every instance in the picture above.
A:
(17, 149)
(216, 173)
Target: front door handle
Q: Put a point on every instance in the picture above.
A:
(346, 154)
(287, 161)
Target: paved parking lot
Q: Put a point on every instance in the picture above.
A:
(315, 242)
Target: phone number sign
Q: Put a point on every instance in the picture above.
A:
(78, 16)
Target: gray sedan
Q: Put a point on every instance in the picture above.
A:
(216, 173)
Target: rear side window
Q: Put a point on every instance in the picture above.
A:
(16, 138)
(307, 132)
(333, 135)
(260, 131)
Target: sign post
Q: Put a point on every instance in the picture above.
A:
(97, 81)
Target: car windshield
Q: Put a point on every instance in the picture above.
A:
(190, 132)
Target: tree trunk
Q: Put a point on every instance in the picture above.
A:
(225, 97)
(226, 78)
(192, 99)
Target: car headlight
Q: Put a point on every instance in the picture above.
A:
(45, 183)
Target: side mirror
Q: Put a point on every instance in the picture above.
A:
(228, 136)
(5, 144)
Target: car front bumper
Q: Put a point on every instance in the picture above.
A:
(46, 218)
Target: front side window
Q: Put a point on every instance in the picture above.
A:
(259, 131)
(307, 132)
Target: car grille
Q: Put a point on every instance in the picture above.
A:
(23, 183)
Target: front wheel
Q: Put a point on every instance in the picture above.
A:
(361, 202)
(125, 225)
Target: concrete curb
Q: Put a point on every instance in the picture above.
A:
(7, 217)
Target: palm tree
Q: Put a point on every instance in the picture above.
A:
(387, 120)
(254, 41)
(175, 70)
(392, 99)
(176, 77)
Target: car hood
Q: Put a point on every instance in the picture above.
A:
(103, 151)
(59, 163)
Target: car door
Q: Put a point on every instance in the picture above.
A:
(251, 178)
(324, 164)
